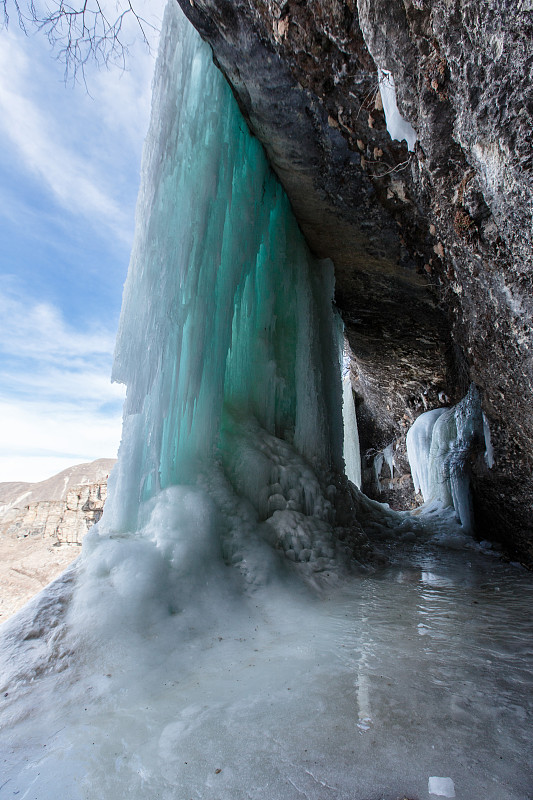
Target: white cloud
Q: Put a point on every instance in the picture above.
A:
(33, 329)
(30, 469)
(34, 133)
(81, 385)
(78, 158)
(66, 430)
(40, 438)
(56, 397)
(83, 148)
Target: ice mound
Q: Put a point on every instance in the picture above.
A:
(440, 445)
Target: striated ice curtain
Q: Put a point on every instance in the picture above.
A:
(227, 342)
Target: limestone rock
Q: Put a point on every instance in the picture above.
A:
(62, 521)
(42, 526)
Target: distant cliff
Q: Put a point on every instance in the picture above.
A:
(42, 526)
(65, 521)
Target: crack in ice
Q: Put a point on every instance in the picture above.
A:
(317, 780)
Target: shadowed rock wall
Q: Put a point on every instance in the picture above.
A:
(432, 249)
(463, 71)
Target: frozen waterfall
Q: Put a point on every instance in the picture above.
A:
(440, 445)
(213, 641)
(227, 342)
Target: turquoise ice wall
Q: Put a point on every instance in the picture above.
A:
(226, 315)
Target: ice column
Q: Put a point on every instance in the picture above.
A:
(352, 455)
(226, 317)
(397, 126)
(440, 445)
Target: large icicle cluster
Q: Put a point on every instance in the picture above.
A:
(440, 446)
(228, 342)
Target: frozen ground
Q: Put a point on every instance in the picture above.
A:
(366, 690)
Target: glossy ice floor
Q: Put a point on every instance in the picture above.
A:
(372, 690)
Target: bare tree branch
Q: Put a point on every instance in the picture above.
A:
(82, 31)
(16, 5)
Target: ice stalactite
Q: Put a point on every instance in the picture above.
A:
(440, 446)
(397, 126)
(352, 453)
(227, 342)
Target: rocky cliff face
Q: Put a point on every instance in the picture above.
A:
(41, 528)
(62, 521)
(432, 248)
(463, 72)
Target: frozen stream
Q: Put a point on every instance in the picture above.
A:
(420, 670)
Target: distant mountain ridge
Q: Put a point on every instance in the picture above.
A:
(42, 526)
(19, 494)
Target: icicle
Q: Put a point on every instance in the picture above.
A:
(489, 450)
(388, 457)
(439, 445)
(352, 455)
(397, 126)
(228, 341)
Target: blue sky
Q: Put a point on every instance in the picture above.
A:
(69, 173)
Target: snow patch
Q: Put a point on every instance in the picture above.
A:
(443, 787)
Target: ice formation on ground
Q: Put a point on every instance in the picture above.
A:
(440, 445)
(182, 656)
(443, 787)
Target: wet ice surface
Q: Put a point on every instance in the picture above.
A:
(417, 672)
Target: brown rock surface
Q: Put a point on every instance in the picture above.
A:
(42, 526)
